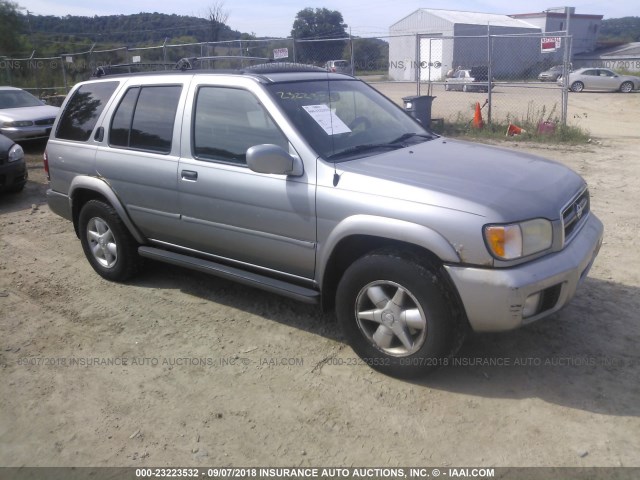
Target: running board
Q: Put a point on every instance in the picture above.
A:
(280, 287)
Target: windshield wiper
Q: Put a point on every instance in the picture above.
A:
(407, 136)
(364, 148)
(393, 144)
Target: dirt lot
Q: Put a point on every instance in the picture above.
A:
(176, 368)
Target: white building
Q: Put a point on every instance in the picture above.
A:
(437, 29)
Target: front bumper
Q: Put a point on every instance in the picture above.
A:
(494, 298)
(13, 175)
(33, 132)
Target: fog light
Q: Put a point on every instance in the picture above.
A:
(531, 305)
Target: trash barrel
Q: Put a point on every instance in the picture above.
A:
(419, 107)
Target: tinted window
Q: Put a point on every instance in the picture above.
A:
(154, 117)
(227, 122)
(145, 117)
(82, 111)
(121, 122)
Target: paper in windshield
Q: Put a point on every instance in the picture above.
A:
(327, 119)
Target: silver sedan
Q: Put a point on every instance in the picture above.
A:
(23, 116)
(601, 79)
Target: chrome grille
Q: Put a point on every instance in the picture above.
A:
(574, 214)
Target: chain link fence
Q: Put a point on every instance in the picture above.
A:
(506, 68)
(500, 72)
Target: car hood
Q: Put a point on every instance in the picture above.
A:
(29, 113)
(479, 179)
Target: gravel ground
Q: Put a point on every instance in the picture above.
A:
(175, 368)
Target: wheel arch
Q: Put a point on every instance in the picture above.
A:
(627, 82)
(362, 234)
(84, 189)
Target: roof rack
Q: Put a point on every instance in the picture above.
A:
(192, 63)
(130, 67)
(282, 67)
(187, 63)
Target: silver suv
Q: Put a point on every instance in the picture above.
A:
(314, 186)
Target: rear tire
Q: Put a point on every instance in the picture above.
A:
(107, 244)
(396, 312)
(626, 87)
(577, 87)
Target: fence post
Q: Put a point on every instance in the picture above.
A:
(164, 52)
(566, 67)
(92, 64)
(489, 72)
(63, 60)
(416, 64)
(353, 66)
(293, 39)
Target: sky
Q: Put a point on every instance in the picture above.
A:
(275, 18)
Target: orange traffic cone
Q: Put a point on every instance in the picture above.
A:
(514, 130)
(477, 117)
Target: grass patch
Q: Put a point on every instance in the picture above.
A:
(532, 131)
(497, 130)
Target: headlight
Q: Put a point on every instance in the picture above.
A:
(515, 240)
(16, 153)
(18, 123)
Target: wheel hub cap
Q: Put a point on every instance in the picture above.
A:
(391, 318)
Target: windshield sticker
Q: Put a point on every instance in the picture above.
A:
(312, 96)
(327, 119)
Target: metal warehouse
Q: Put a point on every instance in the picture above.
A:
(431, 42)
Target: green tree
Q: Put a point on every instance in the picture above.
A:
(10, 28)
(319, 24)
(620, 30)
(369, 54)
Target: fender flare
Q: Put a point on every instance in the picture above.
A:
(388, 228)
(100, 186)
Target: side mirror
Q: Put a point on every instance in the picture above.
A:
(272, 159)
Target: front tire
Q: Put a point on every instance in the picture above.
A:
(107, 244)
(626, 87)
(397, 315)
(16, 188)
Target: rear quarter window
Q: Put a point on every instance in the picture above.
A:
(83, 109)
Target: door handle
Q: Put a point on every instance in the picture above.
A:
(189, 175)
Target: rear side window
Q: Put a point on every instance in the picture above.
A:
(82, 111)
(145, 117)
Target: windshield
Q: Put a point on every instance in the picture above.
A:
(18, 99)
(345, 119)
